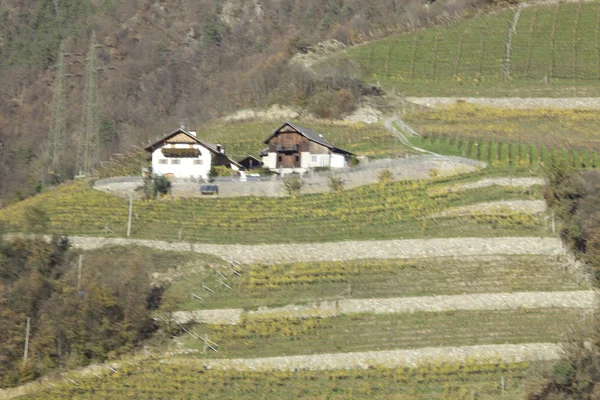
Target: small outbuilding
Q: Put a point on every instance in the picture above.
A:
(251, 162)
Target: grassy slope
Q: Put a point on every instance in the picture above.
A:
(256, 337)
(242, 138)
(187, 379)
(278, 285)
(550, 127)
(396, 210)
(556, 44)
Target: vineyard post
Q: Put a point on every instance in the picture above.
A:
(502, 384)
(553, 223)
(79, 272)
(26, 340)
(130, 213)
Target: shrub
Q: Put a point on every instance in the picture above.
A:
(219, 170)
(153, 185)
(293, 184)
(36, 220)
(336, 183)
(161, 184)
(563, 373)
(385, 176)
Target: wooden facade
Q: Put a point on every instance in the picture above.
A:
(294, 147)
(288, 143)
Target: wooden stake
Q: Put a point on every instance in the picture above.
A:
(26, 339)
(221, 275)
(79, 272)
(130, 213)
(198, 297)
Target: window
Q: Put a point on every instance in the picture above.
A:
(279, 158)
(176, 161)
(163, 161)
(297, 158)
(198, 162)
(314, 158)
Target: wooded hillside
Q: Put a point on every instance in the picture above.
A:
(165, 62)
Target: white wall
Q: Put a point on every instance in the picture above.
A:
(315, 160)
(270, 160)
(338, 160)
(186, 167)
(308, 160)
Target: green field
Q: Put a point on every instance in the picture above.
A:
(553, 53)
(543, 128)
(378, 211)
(270, 336)
(506, 155)
(279, 285)
(188, 379)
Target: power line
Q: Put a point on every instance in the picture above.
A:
(58, 127)
(88, 140)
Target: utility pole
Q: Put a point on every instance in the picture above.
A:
(88, 141)
(58, 127)
(130, 213)
(26, 340)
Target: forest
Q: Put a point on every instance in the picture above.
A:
(73, 320)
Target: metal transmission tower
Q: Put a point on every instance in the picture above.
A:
(56, 134)
(87, 143)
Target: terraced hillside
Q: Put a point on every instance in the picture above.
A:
(327, 350)
(532, 50)
(441, 318)
(378, 211)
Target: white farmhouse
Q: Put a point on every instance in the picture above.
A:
(181, 154)
(295, 148)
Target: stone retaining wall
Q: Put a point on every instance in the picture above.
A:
(583, 299)
(350, 250)
(394, 358)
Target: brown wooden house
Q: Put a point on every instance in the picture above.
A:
(295, 147)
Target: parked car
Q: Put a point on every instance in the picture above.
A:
(209, 189)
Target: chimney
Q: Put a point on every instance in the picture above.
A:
(220, 149)
(193, 133)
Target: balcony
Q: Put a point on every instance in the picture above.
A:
(286, 147)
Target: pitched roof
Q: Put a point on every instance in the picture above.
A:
(158, 143)
(249, 156)
(310, 135)
(210, 146)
